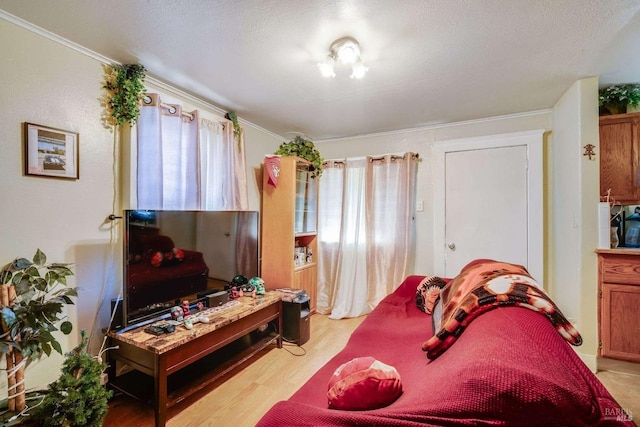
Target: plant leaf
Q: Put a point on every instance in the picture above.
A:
(22, 286)
(46, 348)
(66, 299)
(66, 327)
(39, 258)
(56, 346)
(5, 275)
(20, 264)
(8, 316)
(40, 284)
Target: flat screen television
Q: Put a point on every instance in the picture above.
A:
(173, 256)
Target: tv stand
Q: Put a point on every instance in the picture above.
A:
(175, 366)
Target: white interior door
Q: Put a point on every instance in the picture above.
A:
(485, 206)
(488, 202)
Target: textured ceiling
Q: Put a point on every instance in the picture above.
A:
(430, 61)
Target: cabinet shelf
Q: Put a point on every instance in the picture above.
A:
(302, 267)
(305, 234)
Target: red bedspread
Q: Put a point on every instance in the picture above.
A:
(510, 367)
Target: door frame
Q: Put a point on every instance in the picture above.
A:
(533, 141)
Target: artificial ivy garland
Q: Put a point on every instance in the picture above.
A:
(619, 96)
(125, 88)
(237, 130)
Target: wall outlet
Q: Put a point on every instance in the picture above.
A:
(420, 206)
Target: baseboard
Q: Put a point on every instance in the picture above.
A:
(613, 365)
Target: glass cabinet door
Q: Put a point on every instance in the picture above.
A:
(306, 201)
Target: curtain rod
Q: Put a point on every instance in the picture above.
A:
(414, 156)
(172, 108)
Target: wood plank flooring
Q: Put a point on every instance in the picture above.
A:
(242, 399)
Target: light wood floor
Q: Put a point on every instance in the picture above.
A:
(622, 379)
(274, 375)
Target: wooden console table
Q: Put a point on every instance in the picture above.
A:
(177, 365)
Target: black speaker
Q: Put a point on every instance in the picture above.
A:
(296, 323)
(118, 317)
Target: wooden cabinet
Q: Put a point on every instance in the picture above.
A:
(289, 229)
(619, 303)
(619, 153)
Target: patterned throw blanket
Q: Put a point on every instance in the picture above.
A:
(484, 286)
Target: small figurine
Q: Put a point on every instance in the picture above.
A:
(235, 293)
(177, 313)
(200, 306)
(249, 289)
(258, 285)
(185, 308)
(239, 280)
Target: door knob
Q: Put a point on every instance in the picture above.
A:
(452, 246)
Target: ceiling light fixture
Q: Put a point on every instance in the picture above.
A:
(345, 50)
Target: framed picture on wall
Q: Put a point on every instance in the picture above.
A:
(50, 152)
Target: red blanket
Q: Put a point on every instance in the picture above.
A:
(510, 367)
(486, 285)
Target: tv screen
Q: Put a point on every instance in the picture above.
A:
(173, 256)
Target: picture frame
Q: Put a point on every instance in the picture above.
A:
(51, 152)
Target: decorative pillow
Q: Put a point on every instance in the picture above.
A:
(427, 292)
(363, 383)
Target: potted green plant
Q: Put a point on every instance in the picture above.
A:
(614, 99)
(124, 86)
(32, 297)
(305, 149)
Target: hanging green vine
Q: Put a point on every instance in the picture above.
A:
(237, 130)
(303, 148)
(124, 85)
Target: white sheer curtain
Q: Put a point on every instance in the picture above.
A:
(390, 207)
(365, 231)
(167, 158)
(184, 163)
(223, 171)
(342, 240)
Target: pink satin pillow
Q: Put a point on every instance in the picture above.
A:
(363, 383)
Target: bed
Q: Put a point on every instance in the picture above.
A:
(509, 366)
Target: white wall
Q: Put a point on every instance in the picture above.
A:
(46, 82)
(573, 199)
(421, 141)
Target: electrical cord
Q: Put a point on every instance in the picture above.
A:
(288, 343)
(109, 255)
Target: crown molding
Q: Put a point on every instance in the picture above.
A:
(441, 125)
(108, 61)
